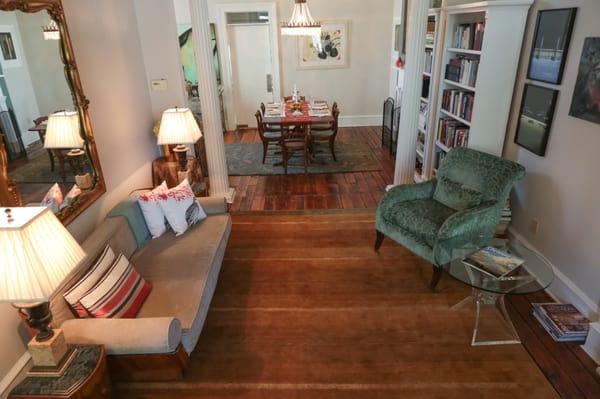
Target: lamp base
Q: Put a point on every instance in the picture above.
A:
(181, 152)
(84, 181)
(48, 353)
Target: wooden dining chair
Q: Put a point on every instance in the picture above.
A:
(269, 128)
(267, 137)
(295, 141)
(327, 132)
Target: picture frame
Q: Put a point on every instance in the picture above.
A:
(330, 51)
(585, 103)
(10, 47)
(550, 46)
(535, 118)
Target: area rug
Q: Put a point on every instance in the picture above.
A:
(38, 170)
(353, 156)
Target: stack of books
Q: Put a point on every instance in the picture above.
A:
(563, 322)
(469, 36)
(452, 133)
(504, 220)
(459, 103)
(462, 70)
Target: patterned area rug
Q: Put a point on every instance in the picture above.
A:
(246, 160)
(38, 170)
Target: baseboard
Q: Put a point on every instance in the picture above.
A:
(360, 120)
(563, 289)
(8, 380)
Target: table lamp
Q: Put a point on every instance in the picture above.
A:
(63, 132)
(36, 254)
(178, 126)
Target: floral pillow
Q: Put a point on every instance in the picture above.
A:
(181, 208)
(153, 214)
(53, 198)
(71, 196)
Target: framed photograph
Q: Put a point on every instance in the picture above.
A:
(551, 45)
(535, 118)
(330, 51)
(10, 47)
(586, 97)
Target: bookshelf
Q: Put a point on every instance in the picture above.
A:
(479, 47)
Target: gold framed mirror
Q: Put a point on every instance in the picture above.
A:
(46, 137)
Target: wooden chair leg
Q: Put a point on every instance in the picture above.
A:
(284, 157)
(306, 161)
(265, 149)
(51, 160)
(332, 148)
(435, 277)
(378, 240)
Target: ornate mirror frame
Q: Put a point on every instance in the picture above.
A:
(9, 193)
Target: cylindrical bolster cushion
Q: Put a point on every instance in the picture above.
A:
(126, 336)
(213, 205)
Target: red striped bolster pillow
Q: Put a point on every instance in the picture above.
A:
(120, 294)
(87, 282)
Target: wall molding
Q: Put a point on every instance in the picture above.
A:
(7, 381)
(563, 289)
(360, 120)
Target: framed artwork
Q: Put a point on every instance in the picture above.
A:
(551, 44)
(586, 97)
(10, 47)
(535, 118)
(330, 51)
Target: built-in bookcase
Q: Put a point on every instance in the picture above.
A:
(472, 87)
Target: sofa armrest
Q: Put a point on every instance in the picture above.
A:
(126, 336)
(213, 205)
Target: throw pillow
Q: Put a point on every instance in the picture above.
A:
(120, 294)
(153, 214)
(456, 195)
(53, 198)
(87, 282)
(181, 208)
(71, 196)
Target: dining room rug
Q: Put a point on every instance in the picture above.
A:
(352, 156)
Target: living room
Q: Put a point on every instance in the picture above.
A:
(275, 287)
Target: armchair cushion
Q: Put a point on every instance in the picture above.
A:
(456, 195)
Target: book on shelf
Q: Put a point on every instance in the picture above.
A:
(462, 70)
(428, 61)
(430, 35)
(452, 133)
(459, 103)
(469, 36)
(425, 88)
(493, 262)
(563, 322)
(423, 112)
(439, 158)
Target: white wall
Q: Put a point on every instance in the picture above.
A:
(561, 190)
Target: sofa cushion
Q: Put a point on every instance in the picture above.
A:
(153, 214)
(423, 218)
(456, 195)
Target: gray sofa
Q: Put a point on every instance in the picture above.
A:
(183, 272)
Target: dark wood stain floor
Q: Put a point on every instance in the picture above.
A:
(305, 308)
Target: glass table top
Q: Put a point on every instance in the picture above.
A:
(532, 276)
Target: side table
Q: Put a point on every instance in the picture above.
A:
(165, 169)
(86, 377)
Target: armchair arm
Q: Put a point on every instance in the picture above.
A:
(126, 336)
(411, 192)
(213, 205)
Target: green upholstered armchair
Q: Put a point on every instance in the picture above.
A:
(452, 215)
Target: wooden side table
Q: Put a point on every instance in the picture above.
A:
(165, 169)
(86, 377)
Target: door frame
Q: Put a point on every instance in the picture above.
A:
(225, 52)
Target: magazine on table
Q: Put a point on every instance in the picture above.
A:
(493, 262)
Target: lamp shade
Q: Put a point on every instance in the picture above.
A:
(63, 131)
(301, 23)
(178, 126)
(36, 254)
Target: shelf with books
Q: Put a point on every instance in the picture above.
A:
(460, 85)
(442, 146)
(452, 133)
(455, 117)
(458, 104)
(463, 51)
(424, 100)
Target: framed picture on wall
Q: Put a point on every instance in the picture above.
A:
(551, 44)
(10, 47)
(330, 51)
(586, 96)
(535, 118)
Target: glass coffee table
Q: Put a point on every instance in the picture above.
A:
(493, 325)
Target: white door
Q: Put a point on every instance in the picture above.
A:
(252, 81)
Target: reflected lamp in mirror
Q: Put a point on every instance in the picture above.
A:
(178, 126)
(63, 132)
(51, 31)
(37, 253)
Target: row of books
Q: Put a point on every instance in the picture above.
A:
(563, 322)
(430, 35)
(469, 36)
(462, 70)
(452, 133)
(428, 61)
(459, 103)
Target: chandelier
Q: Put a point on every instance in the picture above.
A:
(51, 31)
(302, 23)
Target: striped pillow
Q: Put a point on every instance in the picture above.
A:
(120, 294)
(87, 282)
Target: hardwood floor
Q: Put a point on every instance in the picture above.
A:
(317, 191)
(305, 308)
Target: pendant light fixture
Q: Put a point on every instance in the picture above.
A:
(301, 23)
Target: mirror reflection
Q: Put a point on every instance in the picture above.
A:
(40, 126)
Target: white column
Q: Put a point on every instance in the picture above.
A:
(209, 102)
(411, 93)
